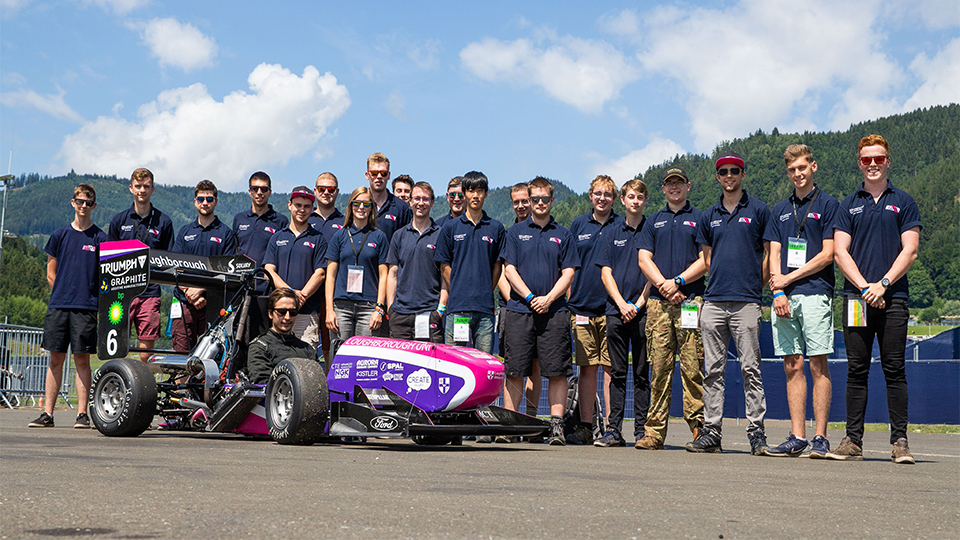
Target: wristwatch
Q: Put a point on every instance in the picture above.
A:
(885, 282)
(678, 280)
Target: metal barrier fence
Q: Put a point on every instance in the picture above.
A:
(23, 366)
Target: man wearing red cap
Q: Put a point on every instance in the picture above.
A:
(731, 234)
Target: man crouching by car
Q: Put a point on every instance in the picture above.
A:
(278, 343)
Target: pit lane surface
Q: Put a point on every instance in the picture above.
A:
(63, 482)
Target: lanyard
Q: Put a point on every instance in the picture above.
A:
(356, 255)
(800, 222)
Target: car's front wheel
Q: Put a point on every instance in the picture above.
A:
(123, 398)
(298, 402)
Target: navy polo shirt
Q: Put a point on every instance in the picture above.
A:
(471, 251)
(155, 230)
(671, 237)
(539, 254)
(77, 285)
(736, 242)
(370, 255)
(418, 274)
(875, 230)
(618, 251)
(253, 231)
(786, 217)
(297, 257)
(213, 241)
(393, 216)
(587, 294)
(444, 218)
(327, 227)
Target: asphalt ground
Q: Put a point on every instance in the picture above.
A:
(62, 482)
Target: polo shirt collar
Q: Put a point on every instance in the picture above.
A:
(483, 219)
(794, 199)
(266, 215)
(354, 229)
(610, 218)
(744, 199)
(410, 227)
(213, 224)
(862, 190)
(550, 224)
(626, 226)
(686, 207)
(133, 212)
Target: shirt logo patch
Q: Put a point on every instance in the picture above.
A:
(155, 232)
(784, 217)
(555, 240)
(892, 208)
(691, 223)
(745, 220)
(813, 215)
(659, 224)
(459, 237)
(282, 242)
(391, 217)
(243, 226)
(88, 247)
(310, 245)
(583, 237)
(215, 239)
(126, 227)
(270, 230)
(716, 223)
(487, 239)
(856, 210)
(335, 226)
(525, 237)
(431, 246)
(371, 244)
(189, 238)
(621, 243)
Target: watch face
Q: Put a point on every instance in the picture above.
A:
(885, 282)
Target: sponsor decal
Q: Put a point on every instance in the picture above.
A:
(716, 223)
(126, 227)
(813, 215)
(119, 268)
(620, 243)
(155, 232)
(555, 240)
(309, 244)
(391, 217)
(784, 217)
(384, 423)
(282, 242)
(244, 226)
(487, 239)
(367, 374)
(431, 246)
(691, 224)
(215, 239)
(367, 363)
(270, 230)
(745, 220)
(335, 226)
(856, 210)
(418, 380)
(89, 247)
(487, 414)
(341, 371)
(444, 384)
(459, 237)
(387, 377)
(525, 237)
(659, 224)
(391, 366)
(189, 238)
(372, 244)
(583, 237)
(892, 208)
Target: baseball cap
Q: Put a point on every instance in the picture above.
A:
(730, 157)
(675, 171)
(302, 191)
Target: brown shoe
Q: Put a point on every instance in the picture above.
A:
(649, 443)
(697, 431)
(848, 451)
(901, 452)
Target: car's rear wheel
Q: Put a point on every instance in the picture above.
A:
(298, 403)
(123, 398)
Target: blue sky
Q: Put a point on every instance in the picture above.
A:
(568, 90)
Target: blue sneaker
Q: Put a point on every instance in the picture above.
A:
(792, 447)
(611, 438)
(819, 447)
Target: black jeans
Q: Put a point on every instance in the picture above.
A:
(890, 328)
(621, 337)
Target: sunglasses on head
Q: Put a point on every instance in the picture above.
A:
(259, 189)
(879, 160)
(326, 189)
(284, 311)
(538, 200)
(206, 199)
(455, 195)
(361, 204)
(381, 174)
(732, 170)
(85, 202)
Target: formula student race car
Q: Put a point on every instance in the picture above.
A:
(432, 393)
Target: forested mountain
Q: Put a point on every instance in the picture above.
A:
(925, 153)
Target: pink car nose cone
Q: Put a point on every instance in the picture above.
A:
(432, 376)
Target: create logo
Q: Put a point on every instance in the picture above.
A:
(391, 217)
(418, 380)
(487, 239)
(215, 239)
(892, 208)
(89, 247)
(813, 215)
(310, 245)
(691, 224)
(555, 240)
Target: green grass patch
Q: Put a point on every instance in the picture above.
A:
(924, 330)
(912, 428)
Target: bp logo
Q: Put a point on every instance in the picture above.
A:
(115, 313)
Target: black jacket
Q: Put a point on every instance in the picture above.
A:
(270, 349)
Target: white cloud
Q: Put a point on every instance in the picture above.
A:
(749, 66)
(179, 45)
(185, 135)
(395, 105)
(579, 72)
(12, 78)
(933, 14)
(941, 76)
(52, 104)
(638, 161)
(120, 7)
(10, 8)
(425, 55)
(624, 24)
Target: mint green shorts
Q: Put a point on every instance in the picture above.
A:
(810, 324)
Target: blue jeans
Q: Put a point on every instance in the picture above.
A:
(481, 329)
(353, 319)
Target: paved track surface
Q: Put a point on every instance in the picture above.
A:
(63, 482)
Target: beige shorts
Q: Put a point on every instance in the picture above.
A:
(590, 341)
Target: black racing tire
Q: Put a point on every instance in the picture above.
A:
(434, 440)
(298, 403)
(123, 398)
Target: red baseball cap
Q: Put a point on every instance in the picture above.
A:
(730, 157)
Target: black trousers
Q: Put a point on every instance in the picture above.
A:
(621, 337)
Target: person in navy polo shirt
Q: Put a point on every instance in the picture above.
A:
(625, 309)
(801, 279)
(392, 213)
(207, 236)
(731, 234)
(254, 227)
(416, 299)
(469, 255)
(144, 222)
(540, 259)
(402, 186)
(588, 303)
(328, 220)
(876, 238)
(454, 200)
(71, 321)
(356, 274)
(296, 259)
(671, 258)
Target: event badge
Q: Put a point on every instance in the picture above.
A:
(689, 315)
(421, 326)
(355, 279)
(176, 310)
(582, 320)
(461, 329)
(856, 312)
(796, 252)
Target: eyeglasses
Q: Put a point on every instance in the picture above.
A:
(602, 194)
(381, 174)
(879, 160)
(284, 311)
(732, 170)
(520, 202)
(259, 189)
(361, 204)
(675, 183)
(538, 200)
(206, 199)
(455, 195)
(85, 202)
(326, 189)
(422, 199)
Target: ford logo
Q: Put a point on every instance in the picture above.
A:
(384, 423)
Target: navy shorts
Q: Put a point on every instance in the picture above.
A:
(73, 328)
(529, 336)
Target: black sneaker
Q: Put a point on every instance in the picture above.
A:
(758, 443)
(536, 439)
(611, 438)
(792, 447)
(707, 442)
(83, 421)
(819, 448)
(556, 432)
(484, 439)
(582, 434)
(45, 420)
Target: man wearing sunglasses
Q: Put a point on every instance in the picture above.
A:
(731, 234)
(328, 220)
(254, 227)
(876, 238)
(207, 236)
(392, 213)
(278, 343)
(454, 200)
(296, 260)
(144, 222)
